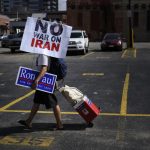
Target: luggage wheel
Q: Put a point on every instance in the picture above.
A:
(90, 124)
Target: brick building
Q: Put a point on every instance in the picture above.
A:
(100, 16)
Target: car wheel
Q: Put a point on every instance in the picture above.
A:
(87, 48)
(12, 50)
(102, 49)
(84, 51)
(120, 48)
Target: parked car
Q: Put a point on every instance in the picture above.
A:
(3, 36)
(15, 43)
(112, 41)
(6, 39)
(79, 41)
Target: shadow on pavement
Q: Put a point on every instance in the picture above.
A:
(40, 127)
(9, 53)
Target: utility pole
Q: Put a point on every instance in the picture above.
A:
(130, 26)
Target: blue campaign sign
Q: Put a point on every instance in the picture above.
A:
(26, 76)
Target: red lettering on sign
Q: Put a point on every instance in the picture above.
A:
(40, 44)
(47, 45)
(55, 47)
(32, 43)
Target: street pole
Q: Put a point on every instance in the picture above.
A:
(17, 15)
(130, 26)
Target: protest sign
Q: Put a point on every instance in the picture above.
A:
(45, 37)
(26, 77)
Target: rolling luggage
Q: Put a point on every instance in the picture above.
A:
(81, 103)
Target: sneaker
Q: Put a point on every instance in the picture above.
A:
(23, 122)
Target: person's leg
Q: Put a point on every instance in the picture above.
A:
(57, 114)
(33, 112)
(27, 122)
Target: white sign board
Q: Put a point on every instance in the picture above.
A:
(45, 37)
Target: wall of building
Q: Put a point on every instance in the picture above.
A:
(100, 16)
(95, 16)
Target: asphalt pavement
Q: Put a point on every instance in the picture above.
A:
(117, 82)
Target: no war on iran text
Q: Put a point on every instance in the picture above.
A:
(44, 37)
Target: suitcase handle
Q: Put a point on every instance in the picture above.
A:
(74, 88)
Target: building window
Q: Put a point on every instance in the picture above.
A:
(95, 21)
(143, 6)
(73, 6)
(79, 20)
(127, 6)
(148, 20)
(136, 19)
(49, 7)
(94, 7)
(136, 6)
(117, 6)
(80, 6)
(87, 6)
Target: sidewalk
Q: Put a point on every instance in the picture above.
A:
(142, 44)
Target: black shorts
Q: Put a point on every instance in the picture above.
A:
(49, 100)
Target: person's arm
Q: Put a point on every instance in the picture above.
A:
(41, 74)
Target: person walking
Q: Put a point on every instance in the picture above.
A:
(40, 97)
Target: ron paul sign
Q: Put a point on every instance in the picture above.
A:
(26, 77)
(44, 37)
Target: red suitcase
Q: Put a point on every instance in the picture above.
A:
(87, 109)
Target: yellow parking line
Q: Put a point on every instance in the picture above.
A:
(123, 110)
(76, 113)
(62, 112)
(135, 52)
(124, 53)
(131, 52)
(40, 112)
(17, 100)
(138, 115)
(87, 55)
(93, 74)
